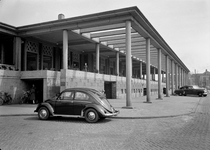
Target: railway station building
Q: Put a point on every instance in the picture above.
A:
(117, 51)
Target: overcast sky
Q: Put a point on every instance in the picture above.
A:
(183, 24)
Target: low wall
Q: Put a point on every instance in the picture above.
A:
(54, 82)
(10, 82)
(51, 84)
(76, 78)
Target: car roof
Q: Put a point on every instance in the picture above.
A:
(81, 89)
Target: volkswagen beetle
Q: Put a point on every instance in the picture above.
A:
(78, 102)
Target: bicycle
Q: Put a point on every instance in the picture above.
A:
(25, 98)
(5, 98)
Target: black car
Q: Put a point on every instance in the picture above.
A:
(80, 102)
(191, 90)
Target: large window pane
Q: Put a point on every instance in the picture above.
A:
(31, 61)
(47, 62)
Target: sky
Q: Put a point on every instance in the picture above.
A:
(183, 24)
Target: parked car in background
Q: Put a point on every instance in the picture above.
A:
(191, 90)
(80, 102)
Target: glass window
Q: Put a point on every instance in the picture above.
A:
(67, 95)
(47, 62)
(81, 96)
(31, 61)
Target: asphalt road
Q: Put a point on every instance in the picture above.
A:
(187, 132)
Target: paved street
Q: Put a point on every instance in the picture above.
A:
(183, 132)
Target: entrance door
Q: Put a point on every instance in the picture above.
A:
(110, 89)
(38, 85)
(39, 90)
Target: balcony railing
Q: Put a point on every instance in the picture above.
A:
(6, 67)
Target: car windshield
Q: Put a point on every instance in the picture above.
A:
(196, 87)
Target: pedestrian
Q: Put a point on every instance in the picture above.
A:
(86, 67)
(33, 94)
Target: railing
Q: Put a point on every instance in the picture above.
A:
(6, 67)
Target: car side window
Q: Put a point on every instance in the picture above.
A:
(67, 95)
(81, 96)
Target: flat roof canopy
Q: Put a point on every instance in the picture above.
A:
(108, 29)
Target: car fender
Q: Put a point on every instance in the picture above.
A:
(48, 106)
(98, 108)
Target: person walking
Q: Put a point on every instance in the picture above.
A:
(33, 94)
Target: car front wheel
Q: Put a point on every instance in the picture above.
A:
(91, 115)
(43, 113)
(200, 94)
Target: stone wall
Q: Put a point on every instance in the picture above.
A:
(76, 78)
(10, 82)
(51, 84)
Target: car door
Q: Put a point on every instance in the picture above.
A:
(190, 90)
(187, 90)
(64, 104)
(81, 99)
(181, 90)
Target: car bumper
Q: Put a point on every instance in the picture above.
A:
(205, 94)
(112, 114)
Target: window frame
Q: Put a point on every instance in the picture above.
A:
(75, 94)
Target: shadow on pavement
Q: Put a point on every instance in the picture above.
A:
(66, 119)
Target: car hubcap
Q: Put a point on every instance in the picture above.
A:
(43, 113)
(91, 115)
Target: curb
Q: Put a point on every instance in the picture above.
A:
(7, 115)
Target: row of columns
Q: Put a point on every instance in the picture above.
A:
(178, 75)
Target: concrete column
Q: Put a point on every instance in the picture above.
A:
(159, 75)
(163, 76)
(65, 49)
(187, 79)
(148, 85)
(178, 72)
(41, 58)
(2, 53)
(140, 69)
(172, 77)
(154, 73)
(117, 63)
(97, 56)
(17, 53)
(167, 76)
(184, 77)
(128, 64)
(180, 77)
(183, 81)
(176, 76)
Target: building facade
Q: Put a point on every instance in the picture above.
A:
(201, 79)
(117, 51)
